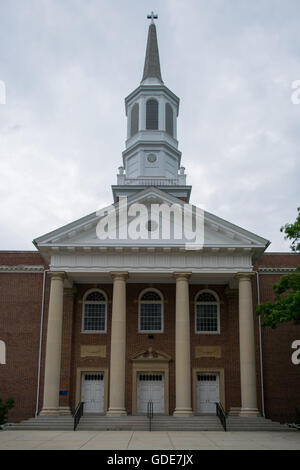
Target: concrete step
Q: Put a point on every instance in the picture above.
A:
(90, 422)
(64, 423)
(159, 423)
(236, 423)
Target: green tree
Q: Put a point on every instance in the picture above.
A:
(286, 306)
(4, 408)
(292, 232)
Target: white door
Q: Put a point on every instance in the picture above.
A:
(92, 392)
(150, 387)
(207, 392)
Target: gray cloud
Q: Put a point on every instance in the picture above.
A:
(68, 65)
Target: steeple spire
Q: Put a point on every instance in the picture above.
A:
(151, 156)
(152, 64)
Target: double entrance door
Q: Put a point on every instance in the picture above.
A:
(92, 392)
(150, 386)
(207, 392)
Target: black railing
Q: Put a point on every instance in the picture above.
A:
(221, 414)
(150, 413)
(77, 415)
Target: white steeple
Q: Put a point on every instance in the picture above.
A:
(151, 156)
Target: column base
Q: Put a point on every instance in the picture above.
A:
(64, 410)
(244, 412)
(55, 411)
(51, 411)
(183, 412)
(234, 411)
(116, 412)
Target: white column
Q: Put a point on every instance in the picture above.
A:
(162, 114)
(118, 346)
(53, 345)
(247, 347)
(182, 347)
(128, 122)
(142, 114)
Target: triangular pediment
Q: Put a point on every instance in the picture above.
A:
(150, 355)
(217, 233)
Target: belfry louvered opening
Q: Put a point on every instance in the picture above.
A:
(152, 114)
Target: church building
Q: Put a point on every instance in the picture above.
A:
(120, 308)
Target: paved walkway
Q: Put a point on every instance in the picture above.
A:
(143, 440)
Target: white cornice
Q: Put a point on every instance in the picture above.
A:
(275, 270)
(21, 269)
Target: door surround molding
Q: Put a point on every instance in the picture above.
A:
(150, 361)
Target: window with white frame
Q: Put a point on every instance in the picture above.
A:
(207, 308)
(150, 312)
(94, 312)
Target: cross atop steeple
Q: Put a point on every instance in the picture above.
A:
(152, 65)
(152, 17)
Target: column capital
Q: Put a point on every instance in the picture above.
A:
(119, 275)
(61, 275)
(182, 276)
(246, 276)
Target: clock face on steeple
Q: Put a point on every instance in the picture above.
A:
(151, 158)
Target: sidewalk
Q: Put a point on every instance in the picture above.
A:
(144, 440)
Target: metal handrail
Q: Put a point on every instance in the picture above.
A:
(221, 414)
(150, 413)
(77, 415)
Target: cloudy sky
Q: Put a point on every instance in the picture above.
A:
(67, 66)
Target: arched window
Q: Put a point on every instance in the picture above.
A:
(150, 311)
(134, 121)
(94, 312)
(152, 114)
(169, 119)
(207, 312)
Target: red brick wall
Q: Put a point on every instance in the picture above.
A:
(279, 260)
(281, 376)
(21, 258)
(20, 316)
(20, 313)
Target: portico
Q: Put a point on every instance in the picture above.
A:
(121, 379)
